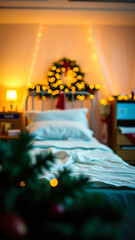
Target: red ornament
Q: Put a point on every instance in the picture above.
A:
(91, 91)
(67, 66)
(61, 101)
(12, 226)
(57, 209)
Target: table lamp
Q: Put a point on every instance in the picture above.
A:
(11, 96)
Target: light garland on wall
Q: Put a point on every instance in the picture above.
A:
(54, 83)
(35, 53)
(128, 97)
(33, 63)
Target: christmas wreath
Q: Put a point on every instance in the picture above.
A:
(65, 75)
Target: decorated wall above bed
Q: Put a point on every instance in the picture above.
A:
(65, 75)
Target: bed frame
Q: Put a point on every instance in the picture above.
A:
(33, 94)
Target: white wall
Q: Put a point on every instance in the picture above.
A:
(27, 52)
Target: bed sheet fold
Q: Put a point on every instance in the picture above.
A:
(92, 159)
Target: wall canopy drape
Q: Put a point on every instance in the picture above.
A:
(116, 50)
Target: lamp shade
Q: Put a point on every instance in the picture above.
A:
(11, 95)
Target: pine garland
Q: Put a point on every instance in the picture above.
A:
(66, 211)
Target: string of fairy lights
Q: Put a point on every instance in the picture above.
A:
(37, 43)
(128, 97)
(34, 58)
(96, 62)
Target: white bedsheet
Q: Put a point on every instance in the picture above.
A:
(90, 158)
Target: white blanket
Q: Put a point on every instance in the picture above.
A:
(89, 158)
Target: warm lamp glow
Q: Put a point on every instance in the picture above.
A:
(11, 95)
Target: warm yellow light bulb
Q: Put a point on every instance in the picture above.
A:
(49, 91)
(43, 88)
(63, 69)
(76, 69)
(53, 182)
(79, 77)
(44, 97)
(111, 99)
(61, 86)
(57, 75)
(61, 62)
(120, 97)
(54, 68)
(91, 96)
(125, 98)
(97, 86)
(91, 86)
(104, 101)
(22, 184)
(66, 90)
(39, 34)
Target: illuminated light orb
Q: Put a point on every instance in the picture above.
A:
(61, 62)
(49, 91)
(58, 70)
(97, 86)
(104, 101)
(44, 97)
(120, 97)
(91, 86)
(22, 184)
(63, 69)
(125, 98)
(43, 88)
(91, 96)
(66, 90)
(53, 68)
(111, 99)
(53, 182)
(39, 34)
(61, 86)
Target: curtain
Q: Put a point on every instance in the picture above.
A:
(116, 51)
(17, 43)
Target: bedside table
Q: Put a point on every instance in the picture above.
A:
(124, 147)
(7, 138)
(122, 115)
(16, 119)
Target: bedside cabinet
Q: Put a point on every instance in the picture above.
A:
(16, 119)
(124, 147)
(122, 115)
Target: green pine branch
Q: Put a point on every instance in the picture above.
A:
(67, 211)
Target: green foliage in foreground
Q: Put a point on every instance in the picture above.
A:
(67, 211)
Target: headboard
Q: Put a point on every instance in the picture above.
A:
(43, 93)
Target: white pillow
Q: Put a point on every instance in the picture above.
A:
(76, 114)
(59, 130)
(31, 115)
